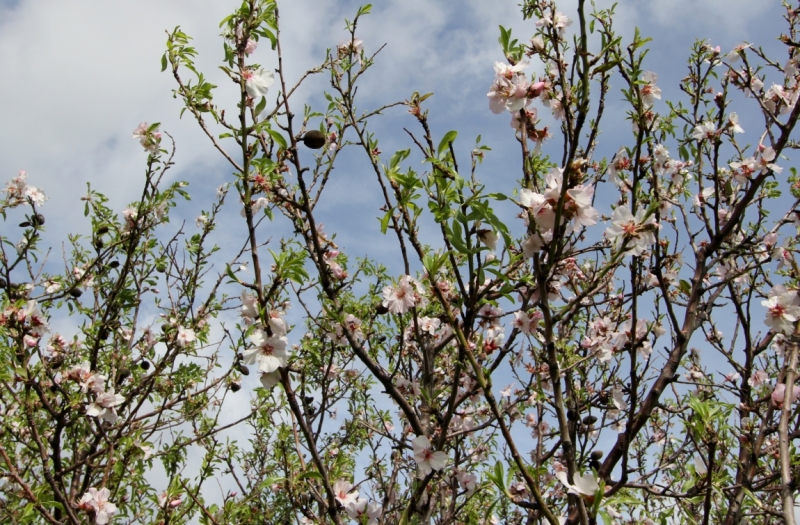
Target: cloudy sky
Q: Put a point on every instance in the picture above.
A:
(79, 76)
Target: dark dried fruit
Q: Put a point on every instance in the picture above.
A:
(2, 283)
(144, 365)
(314, 139)
(103, 333)
(37, 220)
(24, 224)
(113, 264)
(235, 387)
(102, 230)
(572, 415)
(589, 420)
(75, 292)
(244, 370)
(98, 244)
(597, 455)
(380, 310)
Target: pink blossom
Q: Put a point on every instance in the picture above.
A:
(782, 312)
(270, 379)
(706, 130)
(249, 307)
(97, 501)
(150, 140)
(104, 406)
(758, 378)
(403, 296)
(467, 481)
(636, 233)
(559, 21)
(779, 395)
(268, 351)
(585, 485)
(257, 82)
(427, 459)
(185, 336)
(343, 493)
(649, 89)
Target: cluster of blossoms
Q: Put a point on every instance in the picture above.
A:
(18, 192)
(106, 401)
(604, 339)
(493, 330)
(748, 167)
(778, 99)
(149, 136)
(512, 91)
(336, 269)
(28, 320)
(96, 502)
(353, 324)
(269, 345)
(576, 210)
(356, 506)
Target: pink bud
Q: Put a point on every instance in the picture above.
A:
(536, 89)
(779, 394)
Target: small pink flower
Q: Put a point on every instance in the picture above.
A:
(427, 459)
(758, 378)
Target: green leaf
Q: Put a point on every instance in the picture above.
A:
(385, 221)
(398, 157)
(163, 62)
(311, 474)
(449, 137)
(261, 105)
(605, 67)
(277, 137)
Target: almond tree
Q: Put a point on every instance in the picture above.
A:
(641, 307)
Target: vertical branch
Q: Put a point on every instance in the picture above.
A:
(787, 491)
